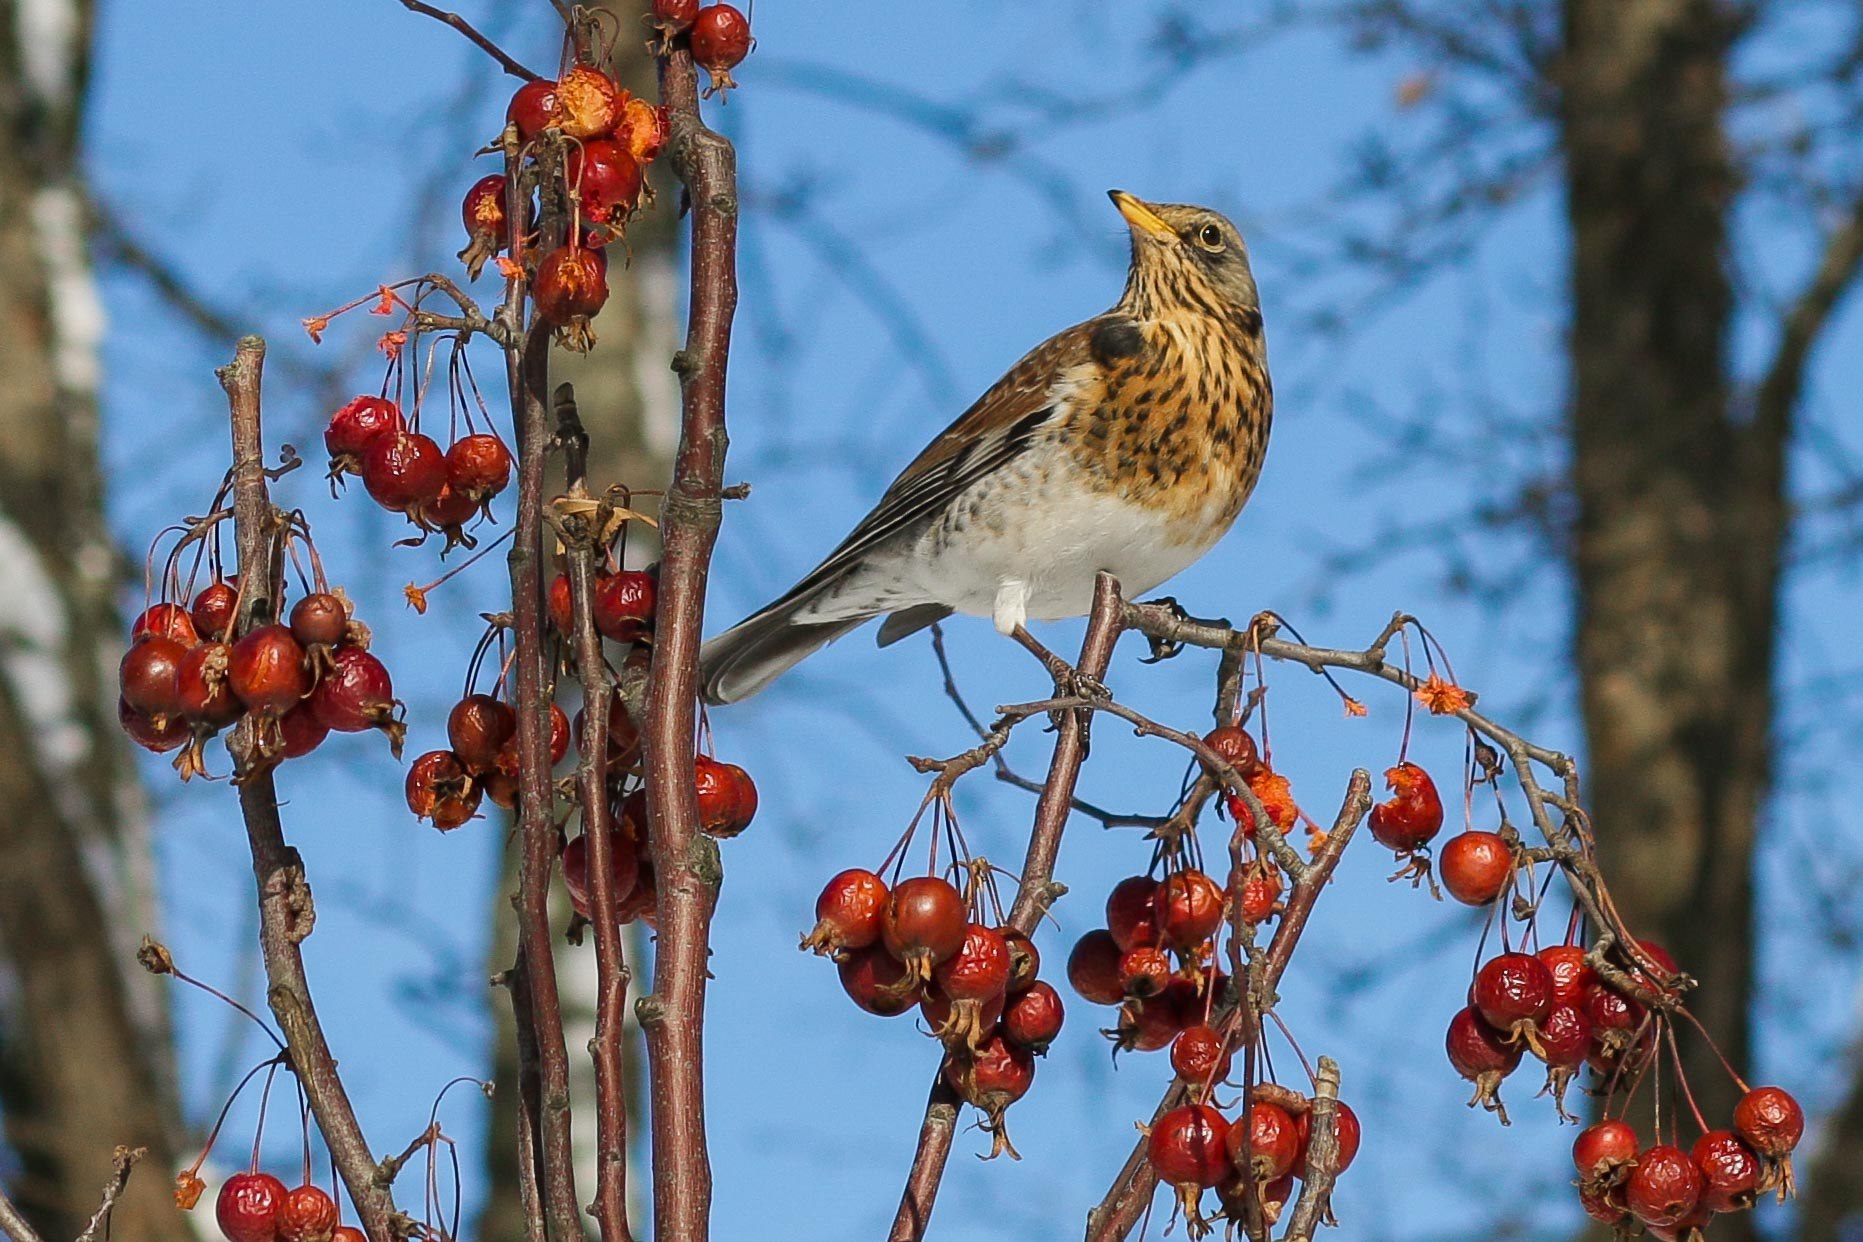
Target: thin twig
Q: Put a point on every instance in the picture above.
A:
(686, 867)
(286, 912)
(14, 1225)
(124, 1158)
(1316, 1189)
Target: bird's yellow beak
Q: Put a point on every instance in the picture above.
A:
(1140, 216)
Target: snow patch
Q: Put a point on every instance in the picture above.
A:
(78, 319)
(33, 626)
(48, 43)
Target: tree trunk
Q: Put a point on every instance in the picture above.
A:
(1681, 505)
(84, 1059)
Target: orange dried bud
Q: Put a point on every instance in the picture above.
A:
(386, 304)
(188, 1188)
(391, 343)
(1443, 698)
(315, 327)
(417, 598)
(1354, 708)
(509, 267)
(1276, 795)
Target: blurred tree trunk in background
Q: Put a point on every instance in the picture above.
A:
(84, 1053)
(628, 398)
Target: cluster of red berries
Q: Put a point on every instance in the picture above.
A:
(1195, 1148)
(719, 35)
(1674, 1193)
(445, 786)
(1155, 958)
(407, 472)
(184, 678)
(919, 943)
(256, 1207)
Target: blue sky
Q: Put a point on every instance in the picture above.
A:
(278, 155)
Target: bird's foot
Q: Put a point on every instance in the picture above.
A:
(1162, 646)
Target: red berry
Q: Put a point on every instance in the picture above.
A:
(403, 472)
(643, 130)
(1188, 908)
(267, 671)
(1148, 1025)
(167, 620)
(307, 1215)
(478, 467)
(348, 1233)
(1199, 1056)
(1261, 888)
(924, 923)
(680, 11)
(561, 602)
(970, 1022)
(623, 735)
(1602, 1149)
(301, 731)
(1513, 992)
(1032, 1018)
(996, 1076)
(355, 427)
(147, 677)
(623, 867)
(1602, 1202)
(354, 694)
(1571, 974)
(1188, 1146)
(587, 101)
(606, 177)
(206, 695)
(532, 108)
(727, 797)
(1770, 1120)
(1664, 1187)
(1024, 960)
(247, 1209)
(1144, 972)
(1475, 867)
(572, 283)
(1130, 914)
(478, 728)
(720, 42)
(320, 619)
(483, 210)
(979, 969)
(1273, 1142)
(1730, 1172)
(1237, 748)
(1345, 1132)
(1610, 1011)
(160, 737)
(847, 914)
(878, 982)
(439, 789)
(1482, 1055)
(624, 604)
(1093, 968)
(213, 609)
(1564, 1037)
(508, 761)
(1413, 815)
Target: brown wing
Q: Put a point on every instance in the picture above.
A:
(1001, 424)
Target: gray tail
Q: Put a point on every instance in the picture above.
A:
(762, 647)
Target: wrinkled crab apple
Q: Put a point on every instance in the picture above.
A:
(1413, 815)
(441, 790)
(571, 287)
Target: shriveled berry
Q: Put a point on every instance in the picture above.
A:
(1564, 1037)
(1413, 815)
(727, 797)
(1603, 1202)
(680, 11)
(1571, 974)
(587, 101)
(308, 1214)
(1482, 1055)
(847, 914)
(1345, 1131)
(1130, 914)
(1475, 867)
(1602, 1149)
(1261, 888)
(1267, 1145)
(1188, 908)
(1513, 992)
(1237, 748)
(247, 1208)
(1188, 1146)
(1730, 1172)
(1032, 1018)
(1148, 1025)
(403, 471)
(1664, 1187)
(955, 1021)
(571, 284)
(1093, 968)
(878, 982)
(267, 670)
(483, 211)
(1024, 960)
(1770, 1120)
(441, 790)
(355, 693)
(478, 467)
(978, 970)
(301, 732)
(1199, 1056)
(1144, 972)
(995, 1076)
(357, 425)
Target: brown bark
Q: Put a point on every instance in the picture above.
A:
(83, 1058)
(1681, 504)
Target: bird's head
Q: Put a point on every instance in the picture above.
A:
(1185, 257)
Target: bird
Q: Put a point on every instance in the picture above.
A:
(1128, 443)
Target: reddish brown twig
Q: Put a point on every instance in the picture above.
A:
(578, 532)
(686, 866)
(286, 914)
(1036, 892)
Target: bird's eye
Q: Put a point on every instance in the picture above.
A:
(1210, 238)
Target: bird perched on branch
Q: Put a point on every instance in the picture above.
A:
(1127, 443)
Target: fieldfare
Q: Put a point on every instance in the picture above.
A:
(1127, 443)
